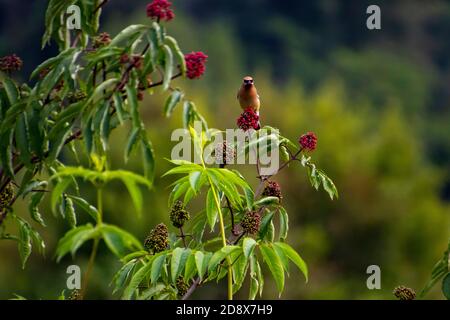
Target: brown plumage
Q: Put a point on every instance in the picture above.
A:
(248, 95)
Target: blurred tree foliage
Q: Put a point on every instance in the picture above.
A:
(379, 101)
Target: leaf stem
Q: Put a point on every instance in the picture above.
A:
(224, 239)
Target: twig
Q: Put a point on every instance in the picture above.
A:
(183, 237)
(191, 289)
(101, 4)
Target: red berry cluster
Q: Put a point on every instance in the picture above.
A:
(308, 141)
(195, 64)
(10, 63)
(248, 120)
(272, 189)
(103, 39)
(160, 10)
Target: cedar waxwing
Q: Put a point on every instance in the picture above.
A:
(248, 95)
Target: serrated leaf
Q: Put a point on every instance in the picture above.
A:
(137, 278)
(149, 159)
(122, 275)
(265, 225)
(294, 257)
(35, 199)
(266, 201)
(220, 255)
(284, 223)
(168, 66)
(119, 241)
(58, 191)
(127, 33)
(171, 102)
(248, 245)
(70, 213)
(83, 204)
(73, 239)
(190, 269)
(202, 261)
(131, 143)
(158, 263)
(275, 266)
(24, 242)
(178, 261)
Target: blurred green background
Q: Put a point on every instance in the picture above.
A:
(379, 102)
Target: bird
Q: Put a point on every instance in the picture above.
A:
(248, 95)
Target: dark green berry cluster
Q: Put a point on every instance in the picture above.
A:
(404, 293)
(75, 295)
(6, 196)
(182, 286)
(250, 222)
(158, 239)
(178, 214)
(76, 96)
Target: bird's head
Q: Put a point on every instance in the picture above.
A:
(247, 81)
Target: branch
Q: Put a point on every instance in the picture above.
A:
(101, 4)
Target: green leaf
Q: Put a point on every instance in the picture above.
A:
(211, 209)
(446, 286)
(254, 284)
(172, 102)
(195, 180)
(158, 263)
(122, 275)
(119, 241)
(201, 261)
(275, 266)
(127, 33)
(35, 199)
(267, 201)
(220, 255)
(24, 242)
(133, 105)
(239, 268)
(187, 113)
(118, 105)
(134, 255)
(83, 204)
(168, 66)
(265, 225)
(172, 43)
(11, 90)
(70, 213)
(137, 278)
(73, 239)
(149, 159)
(22, 138)
(58, 191)
(248, 245)
(284, 223)
(131, 143)
(294, 257)
(179, 257)
(57, 141)
(190, 269)
(37, 240)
